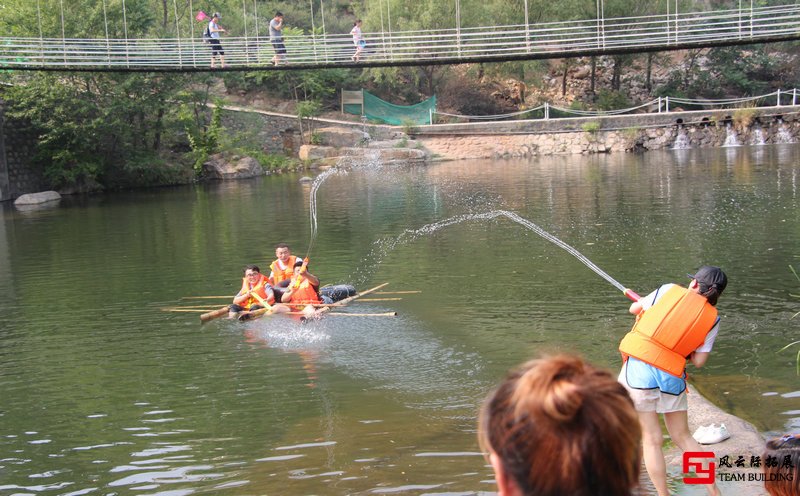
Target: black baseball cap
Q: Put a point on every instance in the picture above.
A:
(710, 276)
(298, 263)
(216, 14)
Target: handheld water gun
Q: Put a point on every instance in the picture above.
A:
(631, 295)
(260, 300)
(303, 269)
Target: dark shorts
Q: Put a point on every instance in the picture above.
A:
(216, 47)
(279, 48)
(236, 308)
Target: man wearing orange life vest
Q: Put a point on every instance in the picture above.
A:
(302, 292)
(673, 324)
(282, 269)
(255, 293)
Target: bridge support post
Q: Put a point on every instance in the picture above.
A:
(794, 97)
(666, 99)
(5, 183)
(546, 111)
(778, 102)
(659, 105)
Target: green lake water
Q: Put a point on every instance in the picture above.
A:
(104, 392)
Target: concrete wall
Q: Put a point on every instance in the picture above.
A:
(17, 146)
(280, 133)
(638, 132)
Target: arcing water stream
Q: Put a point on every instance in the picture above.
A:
(412, 234)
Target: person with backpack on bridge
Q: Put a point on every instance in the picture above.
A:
(212, 33)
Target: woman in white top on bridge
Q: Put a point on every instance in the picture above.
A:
(358, 40)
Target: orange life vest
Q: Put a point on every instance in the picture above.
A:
(279, 274)
(260, 289)
(666, 333)
(305, 293)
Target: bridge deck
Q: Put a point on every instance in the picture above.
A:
(450, 46)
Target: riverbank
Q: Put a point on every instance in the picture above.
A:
(520, 138)
(745, 441)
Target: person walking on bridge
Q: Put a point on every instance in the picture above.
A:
(216, 47)
(276, 38)
(358, 40)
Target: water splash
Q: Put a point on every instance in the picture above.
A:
(412, 234)
(757, 138)
(682, 140)
(731, 139)
(343, 166)
(312, 207)
(783, 135)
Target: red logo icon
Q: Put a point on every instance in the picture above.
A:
(694, 461)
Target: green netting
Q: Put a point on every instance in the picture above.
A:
(377, 109)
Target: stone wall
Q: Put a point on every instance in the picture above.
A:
(280, 133)
(270, 133)
(640, 132)
(17, 147)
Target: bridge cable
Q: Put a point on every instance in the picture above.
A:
(108, 40)
(63, 34)
(178, 32)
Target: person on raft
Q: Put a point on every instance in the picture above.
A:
(673, 325)
(301, 294)
(256, 293)
(282, 269)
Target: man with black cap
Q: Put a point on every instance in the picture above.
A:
(673, 325)
(216, 48)
(302, 293)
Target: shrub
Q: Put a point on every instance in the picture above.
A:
(612, 100)
(743, 117)
(591, 127)
(410, 127)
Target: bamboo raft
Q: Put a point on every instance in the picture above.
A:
(321, 309)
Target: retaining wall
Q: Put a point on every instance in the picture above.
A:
(17, 145)
(638, 132)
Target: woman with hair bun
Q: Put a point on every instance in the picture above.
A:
(781, 462)
(558, 426)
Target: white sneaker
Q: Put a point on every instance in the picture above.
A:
(711, 434)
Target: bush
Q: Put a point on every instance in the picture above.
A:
(743, 117)
(409, 127)
(465, 98)
(591, 127)
(612, 100)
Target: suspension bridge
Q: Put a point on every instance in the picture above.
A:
(551, 40)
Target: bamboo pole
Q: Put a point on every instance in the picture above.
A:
(205, 297)
(229, 296)
(345, 314)
(325, 308)
(213, 315)
(195, 310)
(354, 297)
(381, 299)
(208, 307)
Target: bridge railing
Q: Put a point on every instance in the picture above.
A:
(658, 105)
(542, 40)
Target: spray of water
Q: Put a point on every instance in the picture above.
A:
(342, 167)
(412, 234)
